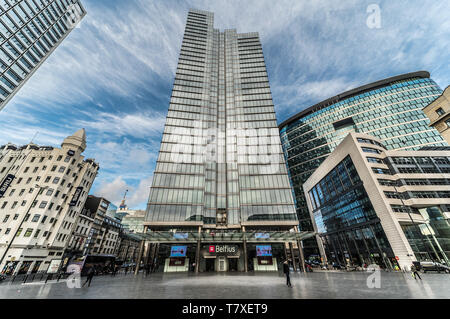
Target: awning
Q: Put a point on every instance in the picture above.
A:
(250, 237)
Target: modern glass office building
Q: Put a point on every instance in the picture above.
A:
(30, 30)
(220, 196)
(390, 109)
(371, 205)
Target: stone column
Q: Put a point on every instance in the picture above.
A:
(197, 253)
(302, 255)
(294, 263)
(245, 250)
(141, 251)
(321, 249)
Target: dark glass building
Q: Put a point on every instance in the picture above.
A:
(389, 109)
(220, 196)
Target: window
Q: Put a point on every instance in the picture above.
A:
(371, 150)
(36, 234)
(59, 158)
(36, 218)
(6, 218)
(61, 169)
(54, 168)
(8, 230)
(440, 111)
(16, 216)
(43, 204)
(28, 232)
(43, 219)
(14, 205)
(377, 170)
(375, 160)
(49, 192)
(56, 180)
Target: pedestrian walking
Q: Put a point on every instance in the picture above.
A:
(414, 272)
(287, 272)
(147, 269)
(90, 275)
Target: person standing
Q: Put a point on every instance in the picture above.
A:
(414, 272)
(90, 275)
(287, 272)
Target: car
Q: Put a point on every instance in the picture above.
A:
(434, 266)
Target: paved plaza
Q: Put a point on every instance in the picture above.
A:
(339, 285)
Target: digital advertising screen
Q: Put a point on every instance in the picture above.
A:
(178, 251)
(263, 251)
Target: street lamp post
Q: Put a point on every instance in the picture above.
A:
(22, 221)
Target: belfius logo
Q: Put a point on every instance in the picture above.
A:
(222, 249)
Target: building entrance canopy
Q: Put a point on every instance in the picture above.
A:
(193, 237)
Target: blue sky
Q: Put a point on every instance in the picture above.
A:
(113, 75)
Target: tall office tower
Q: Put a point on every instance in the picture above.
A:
(390, 109)
(30, 30)
(220, 190)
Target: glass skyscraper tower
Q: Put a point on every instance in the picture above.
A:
(390, 109)
(221, 176)
(29, 32)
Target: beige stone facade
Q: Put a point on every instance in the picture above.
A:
(439, 114)
(40, 206)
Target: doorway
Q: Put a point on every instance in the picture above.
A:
(222, 264)
(209, 262)
(233, 264)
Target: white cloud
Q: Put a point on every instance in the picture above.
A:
(139, 125)
(137, 195)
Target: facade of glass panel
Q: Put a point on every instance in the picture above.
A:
(220, 168)
(398, 199)
(30, 30)
(347, 221)
(389, 109)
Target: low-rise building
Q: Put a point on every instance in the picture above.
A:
(439, 114)
(129, 247)
(104, 234)
(42, 192)
(373, 205)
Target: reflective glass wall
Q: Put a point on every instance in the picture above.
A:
(351, 231)
(29, 31)
(221, 160)
(391, 111)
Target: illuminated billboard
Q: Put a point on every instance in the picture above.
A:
(264, 250)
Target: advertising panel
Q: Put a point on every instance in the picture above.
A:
(178, 251)
(264, 250)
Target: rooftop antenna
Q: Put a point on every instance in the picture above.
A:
(35, 134)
